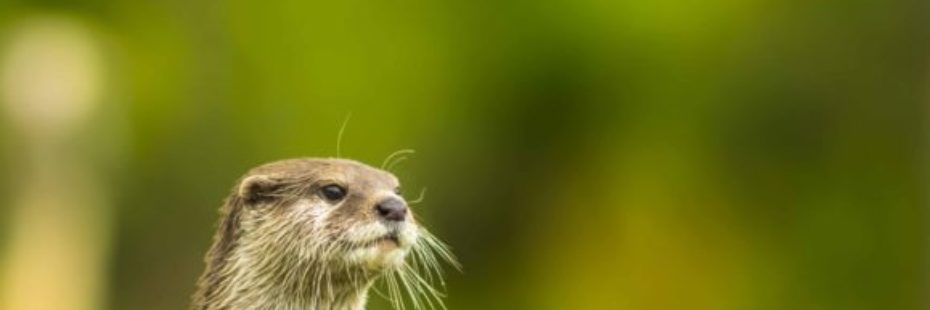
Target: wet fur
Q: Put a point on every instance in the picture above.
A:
(275, 248)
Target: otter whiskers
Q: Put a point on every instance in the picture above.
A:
(419, 276)
(318, 234)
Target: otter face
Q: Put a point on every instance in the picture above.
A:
(328, 212)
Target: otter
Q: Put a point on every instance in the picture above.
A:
(314, 233)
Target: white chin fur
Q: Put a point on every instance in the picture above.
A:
(375, 258)
(380, 255)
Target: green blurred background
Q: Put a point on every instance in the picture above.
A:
(578, 154)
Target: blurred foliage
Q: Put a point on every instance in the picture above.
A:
(579, 154)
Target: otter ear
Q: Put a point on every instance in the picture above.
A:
(258, 188)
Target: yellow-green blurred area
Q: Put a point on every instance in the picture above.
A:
(754, 154)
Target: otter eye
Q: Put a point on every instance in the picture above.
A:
(333, 192)
(397, 190)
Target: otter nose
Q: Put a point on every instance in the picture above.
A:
(392, 209)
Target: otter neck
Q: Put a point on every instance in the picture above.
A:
(256, 282)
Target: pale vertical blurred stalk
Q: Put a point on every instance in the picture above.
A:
(51, 77)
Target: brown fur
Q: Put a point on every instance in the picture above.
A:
(277, 260)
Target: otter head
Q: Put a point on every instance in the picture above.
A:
(329, 212)
(316, 234)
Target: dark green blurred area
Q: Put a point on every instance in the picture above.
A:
(578, 154)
